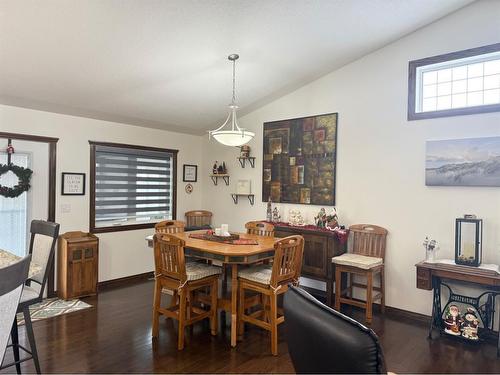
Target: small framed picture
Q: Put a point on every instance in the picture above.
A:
(190, 173)
(73, 184)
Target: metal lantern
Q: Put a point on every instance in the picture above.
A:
(468, 241)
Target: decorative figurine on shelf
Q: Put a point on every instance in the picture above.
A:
(245, 151)
(276, 215)
(430, 247)
(470, 325)
(453, 320)
(215, 168)
(321, 218)
(269, 213)
(332, 220)
(222, 168)
(295, 218)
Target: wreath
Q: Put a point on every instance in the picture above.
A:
(24, 176)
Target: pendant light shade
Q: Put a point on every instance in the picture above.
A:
(233, 135)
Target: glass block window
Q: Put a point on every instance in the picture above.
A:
(463, 82)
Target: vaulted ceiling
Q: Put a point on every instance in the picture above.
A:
(163, 63)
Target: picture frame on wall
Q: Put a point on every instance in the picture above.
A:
(73, 183)
(189, 173)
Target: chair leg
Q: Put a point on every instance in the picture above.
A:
(338, 287)
(369, 297)
(156, 307)
(241, 311)
(213, 308)
(14, 334)
(274, 323)
(31, 338)
(382, 291)
(173, 301)
(182, 317)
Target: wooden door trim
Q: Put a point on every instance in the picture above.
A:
(51, 214)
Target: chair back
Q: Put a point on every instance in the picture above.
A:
(322, 340)
(12, 279)
(169, 257)
(368, 239)
(198, 219)
(287, 260)
(170, 226)
(260, 228)
(42, 249)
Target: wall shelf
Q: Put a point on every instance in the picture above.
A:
(215, 178)
(251, 160)
(251, 197)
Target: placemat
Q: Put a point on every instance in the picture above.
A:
(209, 237)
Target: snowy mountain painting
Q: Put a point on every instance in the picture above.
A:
(463, 162)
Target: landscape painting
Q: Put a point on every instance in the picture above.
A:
(300, 160)
(463, 162)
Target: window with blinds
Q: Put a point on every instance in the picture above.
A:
(133, 187)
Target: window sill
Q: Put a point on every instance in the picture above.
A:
(454, 112)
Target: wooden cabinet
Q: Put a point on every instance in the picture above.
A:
(319, 248)
(77, 262)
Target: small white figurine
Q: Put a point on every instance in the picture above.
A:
(430, 247)
(276, 215)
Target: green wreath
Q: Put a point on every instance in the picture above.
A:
(24, 176)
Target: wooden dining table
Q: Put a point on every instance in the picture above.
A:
(7, 259)
(229, 255)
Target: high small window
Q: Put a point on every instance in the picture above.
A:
(132, 187)
(458, 83)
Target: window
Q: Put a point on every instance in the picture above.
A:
(14, 211)
(132, 187)
(458, 83)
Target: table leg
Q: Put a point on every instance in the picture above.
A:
(234, 304)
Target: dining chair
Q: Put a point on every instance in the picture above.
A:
(172, 272)
(42, 248)
(270, 281)
(12, 279)
(260, 228)
(365, 259)
(324, 341)
(198, 219)
(170, 226)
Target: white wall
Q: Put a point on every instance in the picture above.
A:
(121, 253)
(381, 156)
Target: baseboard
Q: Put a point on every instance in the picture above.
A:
(123, 281)
(405, 314)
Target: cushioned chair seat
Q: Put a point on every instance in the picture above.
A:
(259, 274)
(359, 261)
(197, 271)
(29, 294)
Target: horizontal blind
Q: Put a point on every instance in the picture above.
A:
(132, 186)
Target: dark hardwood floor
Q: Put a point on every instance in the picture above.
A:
(115, 336)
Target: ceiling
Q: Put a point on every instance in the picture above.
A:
(163, 63)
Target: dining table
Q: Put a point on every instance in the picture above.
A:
(230, 255)
(7, 258)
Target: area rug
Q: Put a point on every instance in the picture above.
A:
(51, 307)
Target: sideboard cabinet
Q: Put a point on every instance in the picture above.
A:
(319, 248)
(77, 265)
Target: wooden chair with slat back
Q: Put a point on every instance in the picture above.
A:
(270, 282)
(170, 226)
(260, 228)
(198, 219)
(173, 273)
(366, 259)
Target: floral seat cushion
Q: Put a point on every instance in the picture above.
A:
(259, 274)
(197, 271)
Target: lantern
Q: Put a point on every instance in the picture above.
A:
(468, 241)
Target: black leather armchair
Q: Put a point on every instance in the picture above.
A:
(322, 340)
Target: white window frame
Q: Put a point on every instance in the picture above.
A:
(418, 67)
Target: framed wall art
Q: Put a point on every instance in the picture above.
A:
(73, 184)
(299, 161)
(463, 162)
(190, 173)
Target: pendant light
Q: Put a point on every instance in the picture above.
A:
(233, 135)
